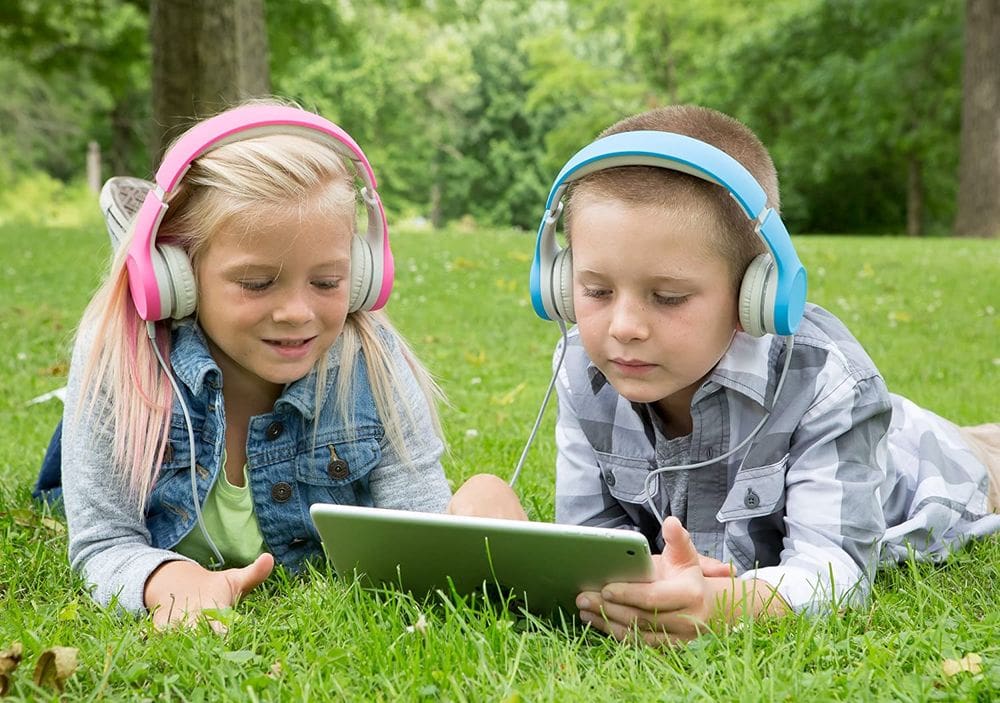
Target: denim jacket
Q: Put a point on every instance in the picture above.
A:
(292, 463)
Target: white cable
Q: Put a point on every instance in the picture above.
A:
(789, 345)
(151, 332)
(545, 402)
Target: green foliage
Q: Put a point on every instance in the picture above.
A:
(74, 72)
(847, 94)
(468, 108)
(923, 308)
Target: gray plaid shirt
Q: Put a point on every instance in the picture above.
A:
(842, 476)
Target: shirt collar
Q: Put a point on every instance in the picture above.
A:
(746, 368)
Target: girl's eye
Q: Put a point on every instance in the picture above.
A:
(255, 284)
(327, 283)
(670, 300)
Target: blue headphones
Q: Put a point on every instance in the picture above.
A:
(773, 292)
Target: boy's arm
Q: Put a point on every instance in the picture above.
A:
(833, 500)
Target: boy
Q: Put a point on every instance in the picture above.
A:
(798, 494)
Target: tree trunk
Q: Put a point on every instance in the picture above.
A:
(979, 160)
(207, 55)
(915, 197)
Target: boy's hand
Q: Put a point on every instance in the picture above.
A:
(688, 592)
(674, 606)
(178, 591)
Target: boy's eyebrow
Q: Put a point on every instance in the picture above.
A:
(659, 278)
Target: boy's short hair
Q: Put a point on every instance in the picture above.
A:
(649, 185)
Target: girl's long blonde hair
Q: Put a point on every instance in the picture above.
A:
(230, 186)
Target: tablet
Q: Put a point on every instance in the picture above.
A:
(535, 565)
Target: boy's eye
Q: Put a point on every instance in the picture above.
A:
(596, 292)
(670, 300)
(255, 284)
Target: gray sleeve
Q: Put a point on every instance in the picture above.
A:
(108, 540)
(416, 482)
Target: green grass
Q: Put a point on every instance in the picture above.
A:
(921, 307)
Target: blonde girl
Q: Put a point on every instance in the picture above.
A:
(231, 371)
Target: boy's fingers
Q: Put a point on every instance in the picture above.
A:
(713, 567)
(678, 549)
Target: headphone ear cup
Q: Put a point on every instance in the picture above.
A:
(756, 290)
(562, 284)
(361, 274)
(175, 279)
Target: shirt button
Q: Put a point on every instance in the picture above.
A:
(281, 492)
(609, 478)
(338, 469)
(274, 430)
(751, 499)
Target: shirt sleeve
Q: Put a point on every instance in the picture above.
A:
(415, 482)
(108, 541)
(834, 518)
(582, 497)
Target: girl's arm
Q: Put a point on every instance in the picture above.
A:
(416, 482)
(108, 540)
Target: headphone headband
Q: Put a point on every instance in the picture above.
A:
(675, 152)
(152, 301)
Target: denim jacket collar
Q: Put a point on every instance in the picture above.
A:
(194, 366)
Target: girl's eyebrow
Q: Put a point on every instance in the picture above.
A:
(240, 268)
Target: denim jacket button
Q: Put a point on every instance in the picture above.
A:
(751, 499)
(338, 469)
(281, 492)
(274, 430)
(609, 478)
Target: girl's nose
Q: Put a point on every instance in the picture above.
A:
(294, 309)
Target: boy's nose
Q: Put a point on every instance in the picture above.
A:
(628, 320)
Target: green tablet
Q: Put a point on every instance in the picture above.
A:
(536, 565)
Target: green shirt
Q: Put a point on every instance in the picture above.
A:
(230, 520)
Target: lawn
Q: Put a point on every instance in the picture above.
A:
(925, 310)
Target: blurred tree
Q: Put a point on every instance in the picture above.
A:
(979, 164)
(207, 55)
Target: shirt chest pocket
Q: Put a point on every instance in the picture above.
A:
(756, 491)
(339, 472)
(625, 477)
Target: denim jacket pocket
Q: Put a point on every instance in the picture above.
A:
(625, 477)
(756, 491)
(338, 471)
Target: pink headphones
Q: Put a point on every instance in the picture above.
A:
(160, 276)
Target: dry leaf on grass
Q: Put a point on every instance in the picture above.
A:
(970, 662)
(55, 665)
(9, 659)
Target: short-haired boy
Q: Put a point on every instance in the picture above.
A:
(659, 372)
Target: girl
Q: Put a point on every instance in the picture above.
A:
(230, 371)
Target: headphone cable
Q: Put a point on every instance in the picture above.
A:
(151, 332)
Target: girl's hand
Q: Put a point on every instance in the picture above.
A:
(178, 591)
